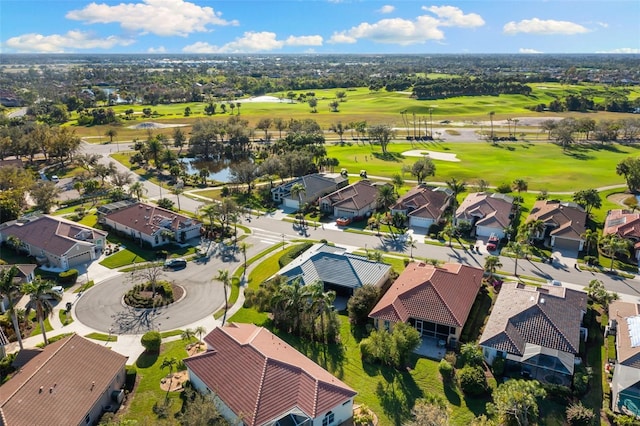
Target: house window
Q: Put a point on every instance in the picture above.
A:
(387, 325)
(328, 419)
(87, 419)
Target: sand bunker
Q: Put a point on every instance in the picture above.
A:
(444, 156)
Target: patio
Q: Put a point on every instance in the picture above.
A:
(432, 348)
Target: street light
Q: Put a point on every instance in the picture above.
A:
(282, 241)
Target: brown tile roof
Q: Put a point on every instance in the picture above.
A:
(569, 219)
(423, 201)
(66, 371)
(269, 377)
(23, 270)
(355, 196)
(626, 353)
(149, 219)
(623, 223)
(546, 316)
(52, 234)
(491, 209)
(443, 295)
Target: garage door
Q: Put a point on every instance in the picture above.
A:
(563, 243)
(420, 222)
(80, 259)
(344, 213)
(293, 204)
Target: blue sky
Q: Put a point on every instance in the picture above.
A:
(320, 26)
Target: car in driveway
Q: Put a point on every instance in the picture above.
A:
(177, 263)
(55, 179)
(492, 243)
(343, 221)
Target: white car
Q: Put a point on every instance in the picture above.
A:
(55, 178)
(555, 282)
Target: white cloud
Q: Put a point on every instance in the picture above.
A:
(405, 32)
(603, 24)
(58, 43)
(394, 31)
(160, 17)
(314, 40)
(451, 16)
(623, 50)
(525, 50)
(544, 27)
(159, 49)
(386, 9)
(254, 42)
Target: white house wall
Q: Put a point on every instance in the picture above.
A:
(420, 222)
(341, 413)
(223, 408)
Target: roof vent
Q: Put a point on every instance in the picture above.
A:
(542, 300)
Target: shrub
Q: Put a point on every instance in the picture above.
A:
(360, 304)
(69, 276)
(503, 188)
(151, 341)
(293, 253)
(579, 415)
(471, 354)
(498, 366)
(472, 380)
(446, 370)
(581, 380)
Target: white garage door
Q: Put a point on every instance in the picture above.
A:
(420, 222)
(291, 203)
(485, 231)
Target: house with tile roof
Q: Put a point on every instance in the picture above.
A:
(55, 241)
(359, 199)
(273, 383)
(486, 213)
(536, 329)
(564, 223)
(337, 269)
(315, 185)
(436, 300)
(70, 382)
(624, 320)
(151, 224)
(624, 224)
(423, 206)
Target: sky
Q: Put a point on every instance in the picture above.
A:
(320, 26)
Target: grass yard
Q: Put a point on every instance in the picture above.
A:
(545, 166)
(148, 392)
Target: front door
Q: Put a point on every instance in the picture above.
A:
(419, 325)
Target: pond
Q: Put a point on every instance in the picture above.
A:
(218, 170)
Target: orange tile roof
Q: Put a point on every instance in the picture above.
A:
(260, 377)
(442, 295)
(61, 384)
(149, 219)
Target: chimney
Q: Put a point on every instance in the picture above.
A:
(93, 384)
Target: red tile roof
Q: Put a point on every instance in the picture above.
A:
(148, 219)
(423, 201)
(623, 223)
(443, 295)
(61, 384)
(52, 234)
(355, 196)
(491, 209)
(270, 377)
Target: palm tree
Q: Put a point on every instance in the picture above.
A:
(137, 189)
(223, 277)
(386, 196)
(169, 363)
(176, 190)
(411, 243)
(14, 242)
(613, 245)
(243, 248)
(456, 188)
(491, 265)
(111, 133)
(448, 232)
(9, 287)
(536, 228)
(200, 330)
(520, 185)
(40, 295)
(292, 295)
(375, 255)
(590, 237)
(187, 334)
(518, 249)
(297, 189)
(398, 182)
(491, 114)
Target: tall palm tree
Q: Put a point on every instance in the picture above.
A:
(491, 265)
(137, 190)
(536, 228)
(398, 182)
(449, 232)
(292, 295)
(111, 133)
(591, 237)
(297, 189)
(176, 190)
(40, 294)
(210, 212)
(223, 277)
(520, 185)
(519, 250)
(386, 196)
(456, 188)
(613, 245)
(200, 330)
(411, 243)
(9, 287)
(169, 363)
(243, 248)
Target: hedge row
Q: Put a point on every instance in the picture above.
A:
(293, 253)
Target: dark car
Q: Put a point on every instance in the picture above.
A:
(175, 263)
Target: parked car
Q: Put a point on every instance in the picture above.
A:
(57, 289)
(555, 282)
(55, 179)
(177, 263)
(343, 221)
(492, 243)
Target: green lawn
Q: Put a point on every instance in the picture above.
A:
(133, 253)
(545, 166)
(148, 391)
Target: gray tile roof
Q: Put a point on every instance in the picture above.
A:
(333, 265)
(546, 316)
